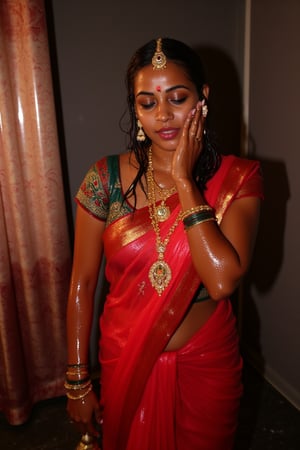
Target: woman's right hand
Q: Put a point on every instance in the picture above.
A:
(190, 144)
(86, 413)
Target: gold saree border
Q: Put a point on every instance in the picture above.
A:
(127, 229)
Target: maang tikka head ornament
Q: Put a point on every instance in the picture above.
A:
(159, 60)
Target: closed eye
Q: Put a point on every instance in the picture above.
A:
(147, 105)
(178, 101)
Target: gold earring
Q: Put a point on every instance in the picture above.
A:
(140, 137)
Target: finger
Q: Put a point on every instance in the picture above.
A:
(89, 428)
(195, 126)
(80, 427)
(187, 123)
(201, 127)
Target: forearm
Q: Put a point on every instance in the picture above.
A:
(79, 322)
(83, 405)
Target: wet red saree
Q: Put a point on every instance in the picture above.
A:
(184, 400)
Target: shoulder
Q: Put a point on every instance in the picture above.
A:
(94, 191)
(128, 162)
(232, 162)
(242, 173)
(235, 178)
(106, 164)
(113, 164)
(128, 169)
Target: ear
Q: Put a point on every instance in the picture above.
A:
(205, 91)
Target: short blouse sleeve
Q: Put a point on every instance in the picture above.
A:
(93, 193)
(253, 183)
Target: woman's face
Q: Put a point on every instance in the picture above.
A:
(163, 98)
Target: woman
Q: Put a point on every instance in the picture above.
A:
(176, 222)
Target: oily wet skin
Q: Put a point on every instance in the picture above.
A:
(163, 101)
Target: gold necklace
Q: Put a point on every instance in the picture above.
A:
(162, 211)
(160, 273)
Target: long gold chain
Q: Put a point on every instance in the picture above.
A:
(162, 211)
(160, 273)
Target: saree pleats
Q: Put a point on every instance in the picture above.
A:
(209, 385)
(191, 399)
(153, 424)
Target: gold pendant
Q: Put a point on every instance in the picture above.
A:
(160, 275)
(162, 212)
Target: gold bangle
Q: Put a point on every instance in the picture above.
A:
(81, 396)
(76, 387)
(78, 373)
(195, 209)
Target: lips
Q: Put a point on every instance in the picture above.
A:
(168, 133)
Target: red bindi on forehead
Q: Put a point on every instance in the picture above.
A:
(158, 88)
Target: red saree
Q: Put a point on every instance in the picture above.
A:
(184, 400)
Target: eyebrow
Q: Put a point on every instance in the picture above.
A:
(172, 88)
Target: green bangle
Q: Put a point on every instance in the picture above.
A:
(211, 219)
(197, 218)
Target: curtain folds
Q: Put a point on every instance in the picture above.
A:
(34, 243)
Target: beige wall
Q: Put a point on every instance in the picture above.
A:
(271, 331)
(94, 41)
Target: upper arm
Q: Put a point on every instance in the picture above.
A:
(88, 249)
(239, 226)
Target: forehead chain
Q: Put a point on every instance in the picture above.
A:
(159, 59)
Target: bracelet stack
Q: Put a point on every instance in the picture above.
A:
(78, 382)
(198, 214)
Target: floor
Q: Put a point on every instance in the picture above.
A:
(267, 422)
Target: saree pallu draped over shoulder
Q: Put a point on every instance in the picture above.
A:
(168, 400)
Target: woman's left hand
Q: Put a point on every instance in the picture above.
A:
(190, 144)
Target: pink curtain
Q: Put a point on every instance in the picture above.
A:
(34, 242)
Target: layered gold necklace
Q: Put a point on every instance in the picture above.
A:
(160, 273)
(162, 210)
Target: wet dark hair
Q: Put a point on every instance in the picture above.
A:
(179, 53)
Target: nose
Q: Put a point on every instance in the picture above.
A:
(163, 112)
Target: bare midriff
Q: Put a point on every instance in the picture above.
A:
(196, 317)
